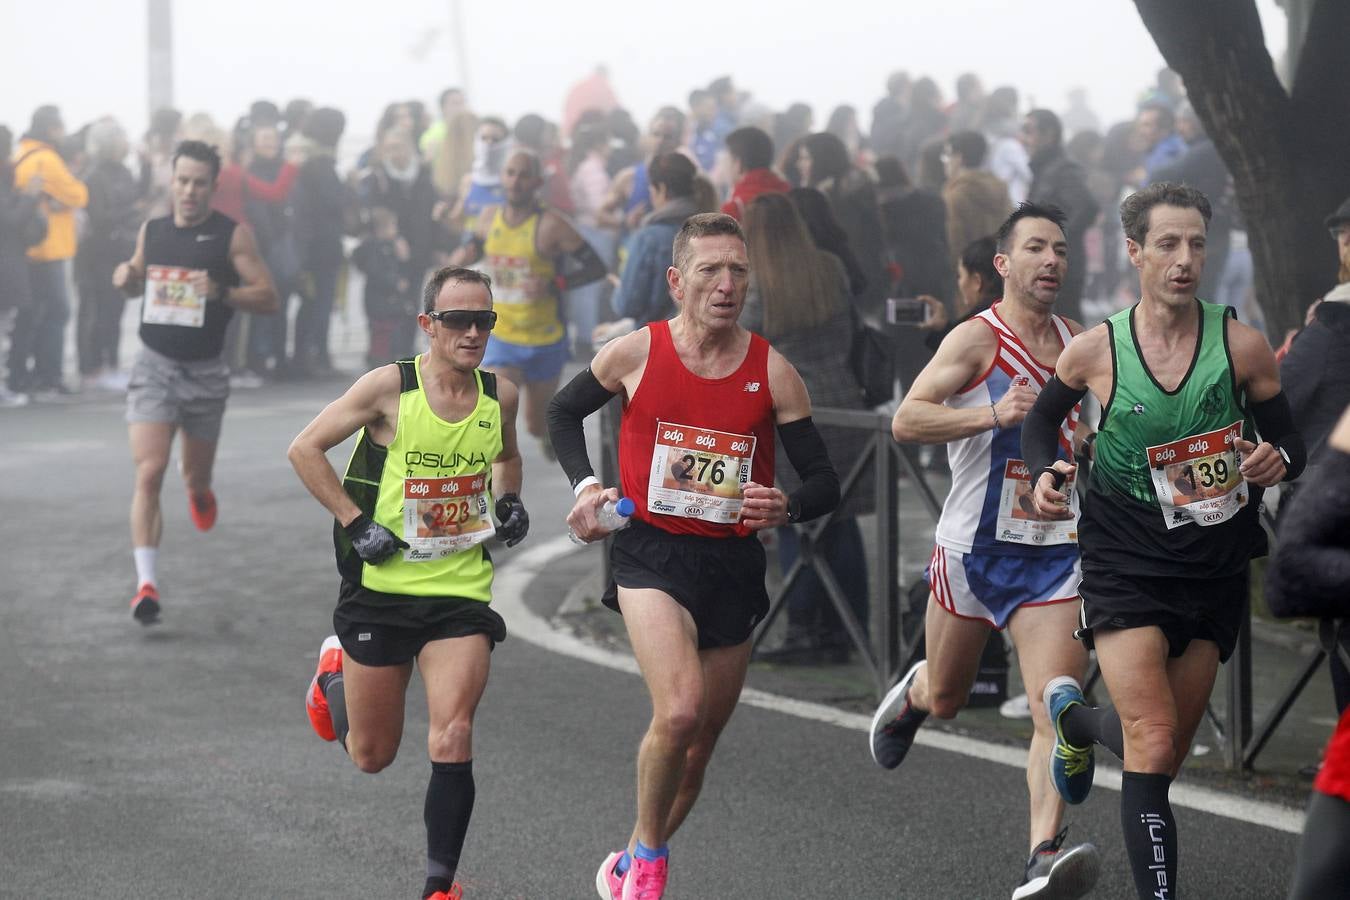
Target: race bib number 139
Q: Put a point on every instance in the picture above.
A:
(1196, 479)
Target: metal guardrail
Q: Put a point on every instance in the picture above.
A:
(893, 643)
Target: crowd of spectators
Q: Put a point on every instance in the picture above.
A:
(902, 203)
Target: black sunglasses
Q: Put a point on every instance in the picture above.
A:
(464, 319)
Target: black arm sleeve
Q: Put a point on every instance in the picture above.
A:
(1040, 429)
(1275, 421)
(567, 410)
(1309, 573)
(580, 267)
(806, 451)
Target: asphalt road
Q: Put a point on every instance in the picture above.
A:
(178, 762)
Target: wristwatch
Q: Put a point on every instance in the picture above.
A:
(794, 510)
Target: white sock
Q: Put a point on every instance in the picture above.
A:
(145, 564)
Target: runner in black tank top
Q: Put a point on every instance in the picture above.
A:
(171, 252)
(192, 270)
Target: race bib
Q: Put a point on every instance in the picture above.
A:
(442, 516)
(1017, 521)
(510, 274)
(170, 298)
(698, 473)
(1197, 479)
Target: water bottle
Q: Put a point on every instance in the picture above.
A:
(613, 516)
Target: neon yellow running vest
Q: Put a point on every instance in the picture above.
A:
(509, 258)
(432, 487)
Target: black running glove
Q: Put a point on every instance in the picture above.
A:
(372, 541)
(514, 520)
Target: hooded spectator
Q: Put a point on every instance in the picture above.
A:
(39, 330)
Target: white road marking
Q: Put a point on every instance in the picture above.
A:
(514, 577)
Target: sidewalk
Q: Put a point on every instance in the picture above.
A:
(567, 595)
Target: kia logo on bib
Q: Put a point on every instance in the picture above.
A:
(693, 511)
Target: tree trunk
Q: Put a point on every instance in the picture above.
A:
(1286, 154)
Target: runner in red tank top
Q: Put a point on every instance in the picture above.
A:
(703, 397)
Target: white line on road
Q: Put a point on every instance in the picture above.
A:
(513, 578)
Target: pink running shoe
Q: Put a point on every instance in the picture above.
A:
(316, 704)
(608, 883)
(646, 879)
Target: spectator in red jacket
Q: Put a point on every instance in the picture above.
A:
(751, 153)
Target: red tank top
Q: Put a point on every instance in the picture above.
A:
(687, 444)
(1334, 778)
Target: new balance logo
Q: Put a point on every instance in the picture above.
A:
(752, 386)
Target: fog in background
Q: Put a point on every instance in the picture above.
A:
(89, 57)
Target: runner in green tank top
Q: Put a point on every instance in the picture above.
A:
(437, 442)
(1169, 523)
(1141, 413)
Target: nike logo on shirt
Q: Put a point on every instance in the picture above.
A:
(206, 237)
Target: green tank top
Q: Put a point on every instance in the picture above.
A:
(430, 486)
(1140, 415)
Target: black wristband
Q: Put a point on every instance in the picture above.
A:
(356, 526)
(1058, 476)
(1040, 429)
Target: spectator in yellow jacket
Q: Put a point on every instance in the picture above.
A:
(39, 331)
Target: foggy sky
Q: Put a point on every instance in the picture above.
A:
(522, 56)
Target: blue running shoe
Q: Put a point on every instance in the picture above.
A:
(896, 722)
(1071, 767)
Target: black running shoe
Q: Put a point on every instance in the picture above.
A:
(1055, 872)
(896, 722)
(145, 605)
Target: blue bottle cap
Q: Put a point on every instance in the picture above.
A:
(625, 507)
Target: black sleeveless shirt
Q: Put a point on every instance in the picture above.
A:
(177, 251)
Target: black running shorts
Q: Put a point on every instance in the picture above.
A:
(719, 580)
(1186, 609)
(389, 630)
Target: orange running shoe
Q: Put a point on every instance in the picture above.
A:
(316, 704)
(145, 605)
(203, 510)
(455, 893)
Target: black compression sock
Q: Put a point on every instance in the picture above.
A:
(450, 795)
(336, 695)
(1150, 834)
(1083, 726)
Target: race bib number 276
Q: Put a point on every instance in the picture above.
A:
(699, 472)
